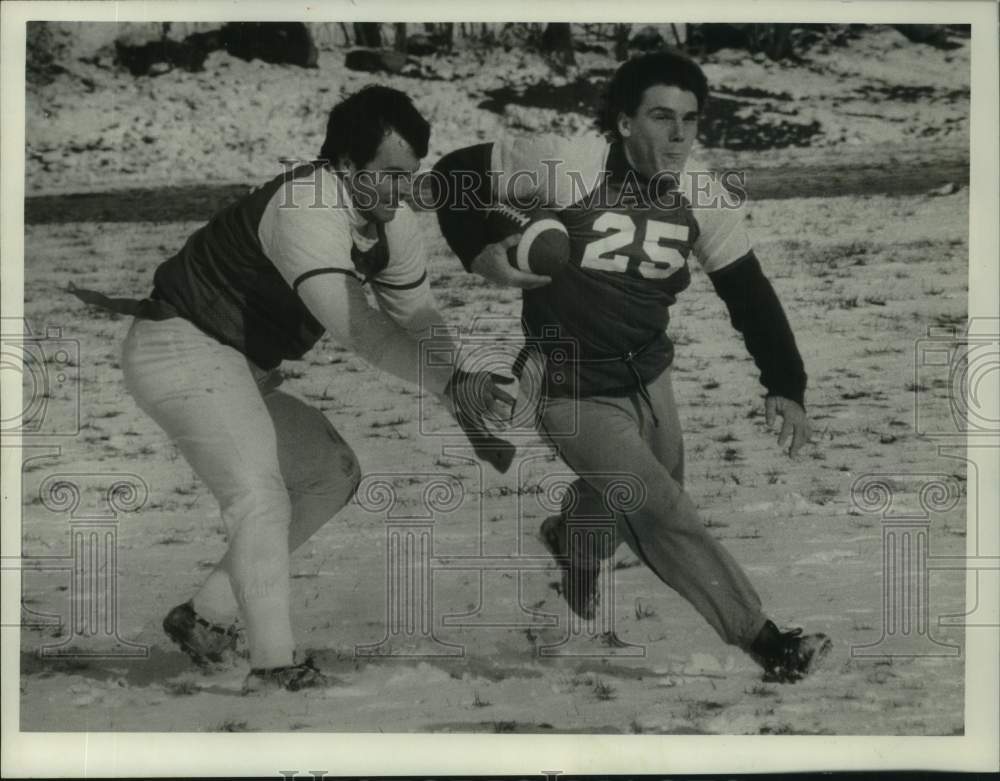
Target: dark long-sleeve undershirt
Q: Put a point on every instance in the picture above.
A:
(756, 312)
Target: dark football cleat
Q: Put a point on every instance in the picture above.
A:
(579, 575)
(206, 643)
(788, 656)
(291, 678)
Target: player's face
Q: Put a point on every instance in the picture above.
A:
(658, 137)
(382, 184)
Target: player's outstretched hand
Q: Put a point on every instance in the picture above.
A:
(794, 423)
(477, 399)
(481, 391)
(492, 263)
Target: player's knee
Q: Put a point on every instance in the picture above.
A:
(679, 513)
(666, 507)
(335, 470)
(342, 467)
(351, 470)
(678, 472)
(315, 459)
(582, 499)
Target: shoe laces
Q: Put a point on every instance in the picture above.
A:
(228, 631)
(790, 634)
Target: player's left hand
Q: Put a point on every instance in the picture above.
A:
(794, 423)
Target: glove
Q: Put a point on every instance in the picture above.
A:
(476, 397)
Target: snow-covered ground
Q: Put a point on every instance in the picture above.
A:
(861, 277)
(859, 297)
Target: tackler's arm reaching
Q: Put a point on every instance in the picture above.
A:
(389, 337)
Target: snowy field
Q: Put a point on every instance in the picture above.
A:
(862, 278)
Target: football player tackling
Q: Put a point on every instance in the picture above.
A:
(259, 284)
(634, 219)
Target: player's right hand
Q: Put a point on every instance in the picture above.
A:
(492, 264)
(479, 395)
(475, 398)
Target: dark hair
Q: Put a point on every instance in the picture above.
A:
(358, 124)
(624, 92)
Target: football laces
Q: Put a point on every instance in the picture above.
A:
(519, 217)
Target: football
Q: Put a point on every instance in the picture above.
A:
(544, 245)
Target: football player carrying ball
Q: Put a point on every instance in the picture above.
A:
(635, 219)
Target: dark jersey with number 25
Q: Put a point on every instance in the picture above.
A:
(628, 255)
(629, 251)
(599, 327)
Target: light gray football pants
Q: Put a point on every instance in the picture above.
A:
(617, 436)
(277, 467)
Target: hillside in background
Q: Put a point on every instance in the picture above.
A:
(853, 96)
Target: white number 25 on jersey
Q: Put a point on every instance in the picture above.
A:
(662, 261)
